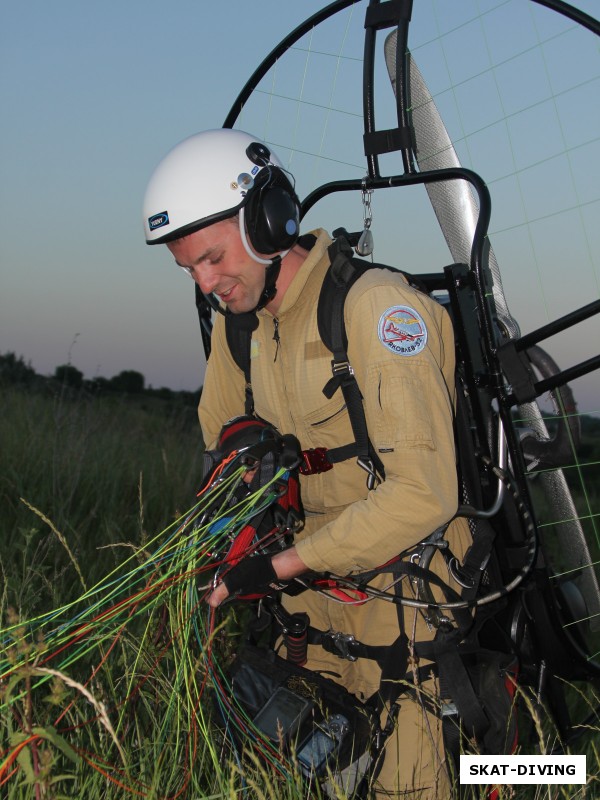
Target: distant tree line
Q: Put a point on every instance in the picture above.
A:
(14, 371)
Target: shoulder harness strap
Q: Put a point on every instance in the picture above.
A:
(342, 274)
(238, 330)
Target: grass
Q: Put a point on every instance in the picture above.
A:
(128, 709)
(105, 471)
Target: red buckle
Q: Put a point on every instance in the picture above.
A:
(314, 461)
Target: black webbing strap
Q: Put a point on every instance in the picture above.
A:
(519, 374)
(388, 13)
(461, 711)
(238, 331)
(448, 664)
(343, 272)
(387, 141)
(456, 685)
(470, 572)
(378, 17)
(391, 658)
(343, 453)
(462, 616)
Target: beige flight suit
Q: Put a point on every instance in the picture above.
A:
(408, 400)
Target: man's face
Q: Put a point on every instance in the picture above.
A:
(218, 262)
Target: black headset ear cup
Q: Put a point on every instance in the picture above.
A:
(272, 215)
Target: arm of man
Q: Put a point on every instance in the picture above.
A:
(407, 382)
(286, 564)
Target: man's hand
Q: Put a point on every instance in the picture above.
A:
(257, 573)
(252, 575)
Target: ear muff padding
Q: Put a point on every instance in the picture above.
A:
(273, 214)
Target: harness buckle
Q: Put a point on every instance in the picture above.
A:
(448, 709)
(314, 461)
(339, 644)
(340, 368)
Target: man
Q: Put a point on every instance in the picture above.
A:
(228, 213)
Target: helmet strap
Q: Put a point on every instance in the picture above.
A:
(213, 302)
(268, 293)
(270, 290)
(272, 264)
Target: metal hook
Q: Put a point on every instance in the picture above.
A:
(365, 244)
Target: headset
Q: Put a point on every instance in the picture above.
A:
(270, 217)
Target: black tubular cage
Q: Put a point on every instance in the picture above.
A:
(497, 374)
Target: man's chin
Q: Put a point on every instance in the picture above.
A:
(240, 307)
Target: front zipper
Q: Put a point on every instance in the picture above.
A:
(276, 336)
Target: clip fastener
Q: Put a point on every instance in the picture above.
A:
(367, 465)
(340, 644)
(314, 461)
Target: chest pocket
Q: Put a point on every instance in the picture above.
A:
(329, 424)
(325, 420)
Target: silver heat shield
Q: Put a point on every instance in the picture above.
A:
(455, 206)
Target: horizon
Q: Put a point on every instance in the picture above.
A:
(96, 95)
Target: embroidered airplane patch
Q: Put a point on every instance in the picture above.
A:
(402, 330)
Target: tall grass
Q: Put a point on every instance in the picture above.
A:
(86, 484)
(105, 471)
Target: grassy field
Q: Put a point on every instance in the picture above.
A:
(87, 483)
(105, 471)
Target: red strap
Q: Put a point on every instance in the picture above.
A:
(240, 545)
(354, 596)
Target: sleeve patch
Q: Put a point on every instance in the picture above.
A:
(402, 330)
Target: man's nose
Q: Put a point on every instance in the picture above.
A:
(206, 278)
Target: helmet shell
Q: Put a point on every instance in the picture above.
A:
(203, 179)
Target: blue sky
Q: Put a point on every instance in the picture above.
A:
(94, 94)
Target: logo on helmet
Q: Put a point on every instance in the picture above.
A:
(158, 220)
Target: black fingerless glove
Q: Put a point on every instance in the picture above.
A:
(253, 575)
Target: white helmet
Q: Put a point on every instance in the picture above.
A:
(210, 176)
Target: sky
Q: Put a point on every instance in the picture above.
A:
(93, 95)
